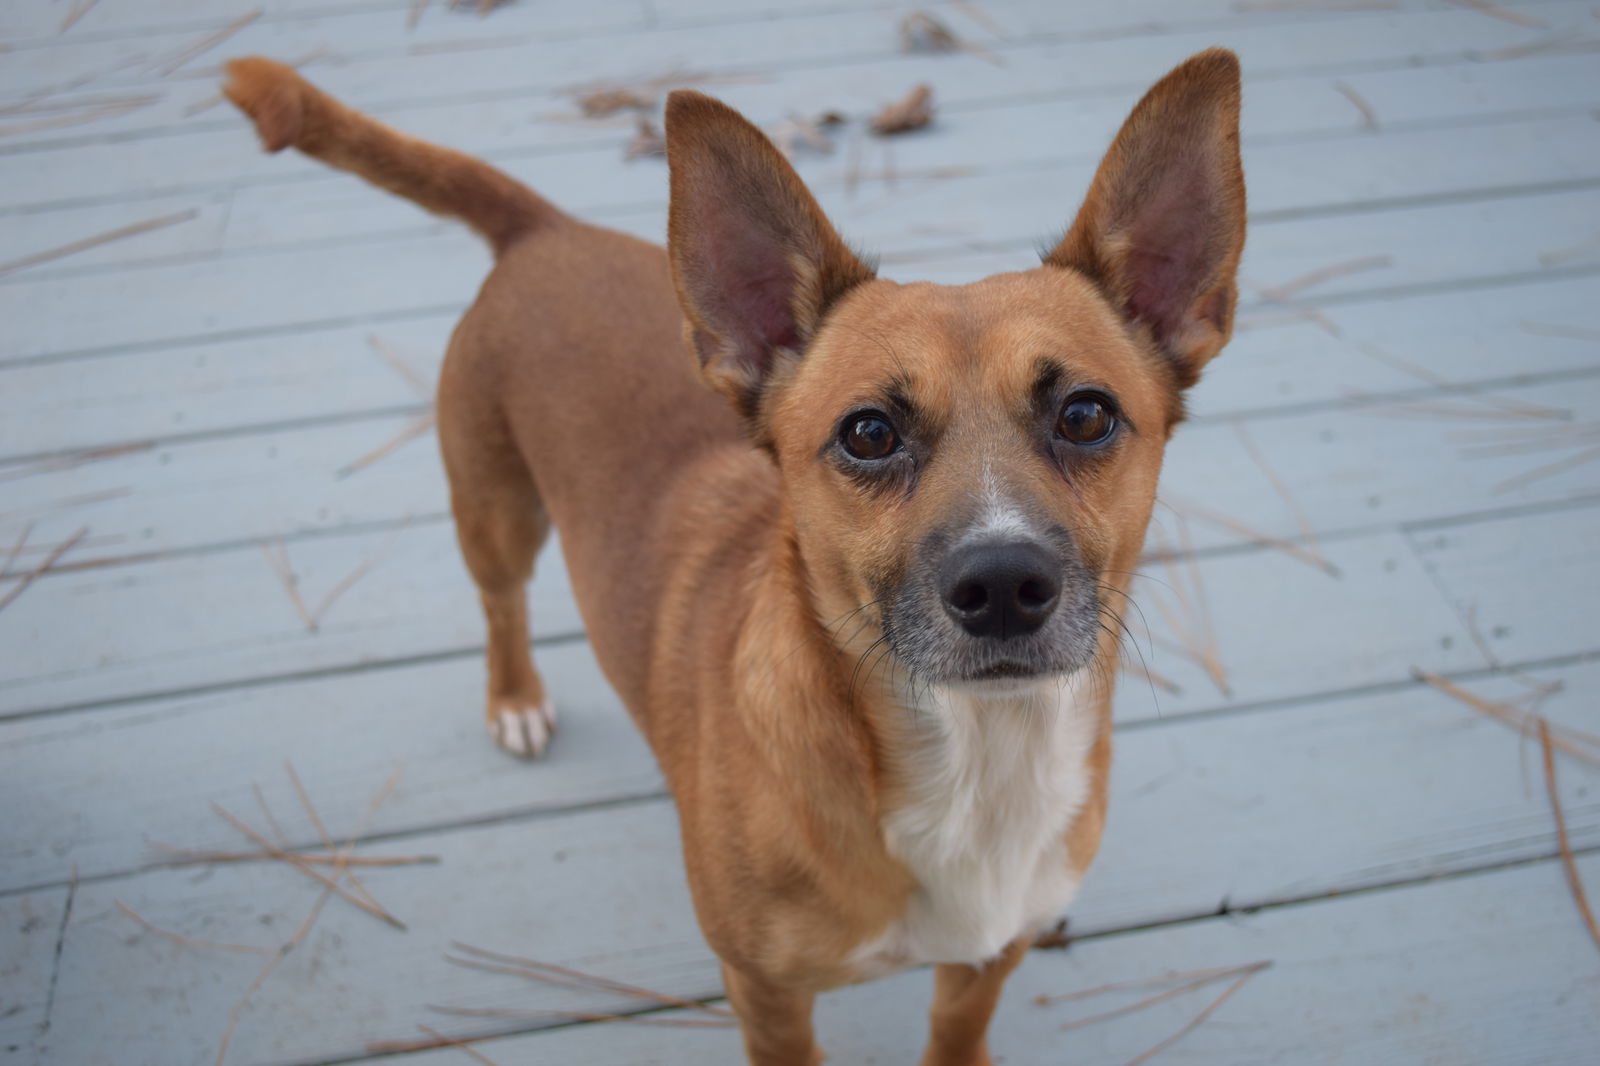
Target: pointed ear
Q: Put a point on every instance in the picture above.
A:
(755, 261)
(1163, 225)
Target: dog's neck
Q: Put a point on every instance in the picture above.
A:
(979, 792)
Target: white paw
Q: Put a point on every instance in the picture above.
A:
(524, 730)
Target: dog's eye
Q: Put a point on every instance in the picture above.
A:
(1086, 419)
(870, 436)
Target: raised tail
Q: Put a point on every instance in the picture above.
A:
(290, 111)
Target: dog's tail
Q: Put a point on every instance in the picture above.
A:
(288, 110)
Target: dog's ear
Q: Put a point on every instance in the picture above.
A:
(755, 261)
(1163, 225)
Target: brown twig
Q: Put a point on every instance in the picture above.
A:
(1539, 473)
(1195, 1022)
(1142, 671)
(266, 812)
(460, 1045)
(1570, 864)
(1577, 743)
(16, 550)
(67, 462)
(562, 975)
(584, 1016)
(1555, 329)
(80, 113)
(80, 8)
(414, 15)
(1210, 973)
(330, 887)
(266, 972)
(189, 941)
(1143, 1004)
(1581, 250)
(1517, 18)
(181, 856)
(208, 42)
(1369, 117)
(1281, 487)
(978, 15)
(43, 568)
(1254, 535)
(409, 432)
(1315, 5)
(291, 581)
(120, 233)
(921, 32)
(1293, 287)
(374, 909)
(1475, 395)
(1563, 43)
(327, 841)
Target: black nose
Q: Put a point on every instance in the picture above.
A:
(1000, 590)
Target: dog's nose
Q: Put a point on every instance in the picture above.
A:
(1000, 590)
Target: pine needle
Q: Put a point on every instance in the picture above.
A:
(562, 975)
(210, 41)
(1574, 880)
(189, 941)
(83, 245)
(43, 568)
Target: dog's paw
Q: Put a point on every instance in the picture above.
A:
(522, 729)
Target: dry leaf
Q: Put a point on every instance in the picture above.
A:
(795, 130)
(912, 113)
(647, 140)
(921, 32)
(605, 102)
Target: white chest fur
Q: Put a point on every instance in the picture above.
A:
(988, 787)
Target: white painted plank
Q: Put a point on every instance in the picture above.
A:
(276, 289)
(265, 292)
(188, 225)
(604, 890)
(1348, 470)
(141, 60)
(29, 926)
(1531, 578)
(1471, 972)
(223, 617)
(225, 385)
(1019, 191)
(319, 373)
(1033, 62)
(1368, 467)
(343, 734)
(981, 123)
(1284, 630)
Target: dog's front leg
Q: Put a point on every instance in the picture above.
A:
(776, 1021)
(964, 997)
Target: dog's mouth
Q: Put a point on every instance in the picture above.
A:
(934, 651)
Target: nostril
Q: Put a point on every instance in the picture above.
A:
(1034, 595)
(969, 597)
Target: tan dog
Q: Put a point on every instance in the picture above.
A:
(864, 604)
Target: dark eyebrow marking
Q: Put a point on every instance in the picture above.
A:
(1047, 379)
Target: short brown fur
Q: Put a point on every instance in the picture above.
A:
(728, 573)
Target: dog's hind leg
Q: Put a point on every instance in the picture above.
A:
(501, 524)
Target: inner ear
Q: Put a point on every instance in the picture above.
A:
(756, 263)
(1162, 227)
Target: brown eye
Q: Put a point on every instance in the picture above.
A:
(869, 437)
(1086, 419)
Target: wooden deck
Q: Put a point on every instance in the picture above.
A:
(1393, 468)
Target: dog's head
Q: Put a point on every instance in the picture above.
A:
(975, 465)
